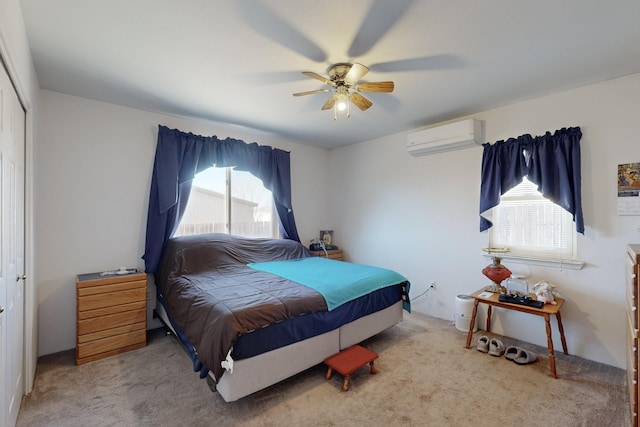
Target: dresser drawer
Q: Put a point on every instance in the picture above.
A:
(632, 370)
(632, 271)
(110, 299)
(88, 326)
(632, 290)
(112, 345)
(85, 290)
(85, 281)
(132, 306)
(82, 339)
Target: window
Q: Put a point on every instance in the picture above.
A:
(532, 226)
(224, 200)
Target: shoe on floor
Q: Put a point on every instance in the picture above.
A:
(511, 352)
(483, 344)
(524, 357)
(496, 347)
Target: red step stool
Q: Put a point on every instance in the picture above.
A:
(348, 361)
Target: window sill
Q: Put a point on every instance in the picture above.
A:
(569, 264)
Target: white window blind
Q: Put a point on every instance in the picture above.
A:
(530, 225)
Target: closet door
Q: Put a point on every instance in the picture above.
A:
(12, 169)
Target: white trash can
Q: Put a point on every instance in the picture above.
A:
(464, 310)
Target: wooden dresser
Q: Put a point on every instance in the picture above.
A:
(336, 254)
(111, 315)
(633, 316)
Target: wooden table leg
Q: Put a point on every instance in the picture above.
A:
(472, 324)
(489, 319)
(561, 329)
(552, 357)
(345, 383)
(373, 368)
(329, 372)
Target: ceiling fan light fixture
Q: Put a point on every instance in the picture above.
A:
(344, 77)
(342, 103)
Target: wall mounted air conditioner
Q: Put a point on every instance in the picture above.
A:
(452, 136)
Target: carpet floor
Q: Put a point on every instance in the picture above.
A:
(425, 378)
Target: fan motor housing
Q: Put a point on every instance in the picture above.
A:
(337, 72)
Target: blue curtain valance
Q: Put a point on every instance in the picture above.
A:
(552, 162)
(180, 155)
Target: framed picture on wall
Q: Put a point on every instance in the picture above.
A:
(629, 189)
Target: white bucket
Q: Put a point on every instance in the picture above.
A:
(464, 310)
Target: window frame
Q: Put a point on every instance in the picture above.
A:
(535, 255)
(228, 202)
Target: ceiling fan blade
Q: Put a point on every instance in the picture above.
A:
(317, 77)
(360, 101)
(356, 72)
(382, 16)
(329, 103)
(423, 63)
(271, 24)
(375, 87)
(311, 92)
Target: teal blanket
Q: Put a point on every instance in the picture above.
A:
(338, 282)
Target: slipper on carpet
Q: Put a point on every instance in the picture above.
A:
(524, 357)
(496, 347)
(511, 352)
(483, 344)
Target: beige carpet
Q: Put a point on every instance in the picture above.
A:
(425, 378)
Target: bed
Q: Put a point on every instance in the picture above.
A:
(252, 312)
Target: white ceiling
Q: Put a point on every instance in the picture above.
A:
(239, 61)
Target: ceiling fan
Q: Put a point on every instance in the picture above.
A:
(343, 78)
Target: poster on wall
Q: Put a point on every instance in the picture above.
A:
(629, 189)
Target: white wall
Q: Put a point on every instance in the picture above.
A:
(15, 50)
(94, 163)
(419, 216)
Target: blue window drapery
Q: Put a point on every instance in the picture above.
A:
(180, 155)
(552, 162)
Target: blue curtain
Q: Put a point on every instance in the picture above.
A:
(550, 161)
(180, 155)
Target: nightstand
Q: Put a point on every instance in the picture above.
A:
(336, 254)
(111, 316)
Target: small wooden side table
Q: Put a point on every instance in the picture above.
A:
(545, 311)
(348, 361)
(111, 315)
(336, 254)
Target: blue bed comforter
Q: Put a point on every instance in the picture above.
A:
(338, 282)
